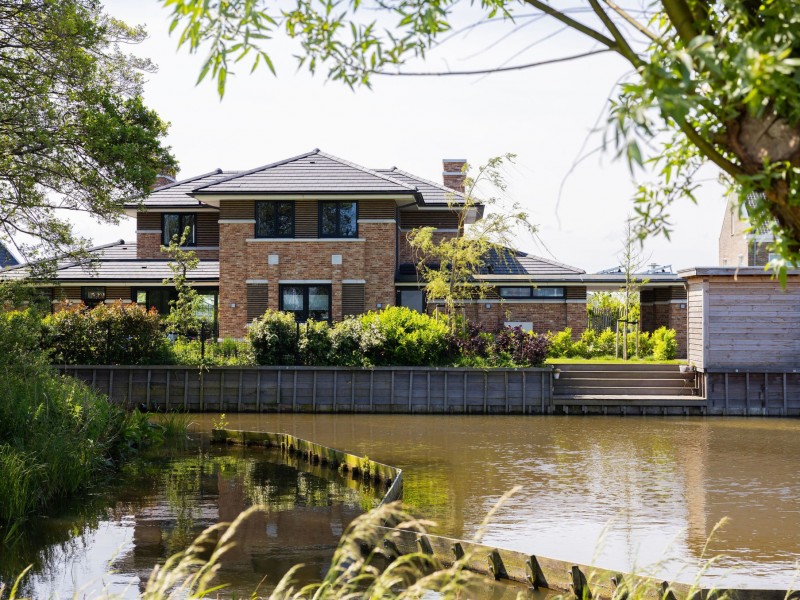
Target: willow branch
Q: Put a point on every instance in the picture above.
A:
(624, 48)
(493, 69)
(682, 18)
(577, 25)
(708, 149)
(638, 26)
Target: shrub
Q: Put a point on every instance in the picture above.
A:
(227, 353)
(560, 343)
(315, 343)
(470, 343)
(645, 344)
(523, 348)
(665, 345)
(589, 341)
(273, 338)
(579, 349)
(352, 342)
(606, 343)
(107, 334)
(411, 338)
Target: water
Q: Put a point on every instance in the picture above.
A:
(622, 493)
(109, 541)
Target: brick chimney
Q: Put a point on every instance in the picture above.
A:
(453, 174)
(162, 180)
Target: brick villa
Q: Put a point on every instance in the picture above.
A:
(326, 238)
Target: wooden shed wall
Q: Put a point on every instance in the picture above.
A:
(747, 322)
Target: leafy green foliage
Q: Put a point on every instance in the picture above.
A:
(123, 334)
(227, 353)
(315, 343)
(182, 319)
(273, 338)
(76, 133)
(450, 265)
(665, 346)
(56, 434)
(352, 342)
(410, 338)
(660, 345)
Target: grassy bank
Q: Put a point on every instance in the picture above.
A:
(56, 434)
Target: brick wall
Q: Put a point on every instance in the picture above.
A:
(545, 316)
(370, 258)
(407, 253)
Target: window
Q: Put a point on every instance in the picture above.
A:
(274, 219)
(92, 296)
(157, 298)
(338, 219)
(413, 299)
(174, 224)
(531, 292)
(307, 301)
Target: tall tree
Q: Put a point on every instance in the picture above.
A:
(712, 80)
(75, 134)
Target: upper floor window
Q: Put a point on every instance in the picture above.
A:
(520, 292)
(274, 219)
(338, 219)
(174, 224)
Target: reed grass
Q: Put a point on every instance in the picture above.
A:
(174, 424)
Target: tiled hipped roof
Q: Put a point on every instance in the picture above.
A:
(314, 172)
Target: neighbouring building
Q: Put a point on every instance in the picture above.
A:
(325, 238)
(739, 246)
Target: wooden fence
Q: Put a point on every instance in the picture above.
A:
(754, 391)
(324, 389)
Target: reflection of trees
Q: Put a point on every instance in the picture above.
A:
(173, 494)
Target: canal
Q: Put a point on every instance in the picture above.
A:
(627, 493)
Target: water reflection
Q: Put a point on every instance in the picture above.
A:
(620, 492)
(161, 503)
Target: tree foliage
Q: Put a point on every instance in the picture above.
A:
(712, 80)
(182, 319)
(451, 265)
(74, 131)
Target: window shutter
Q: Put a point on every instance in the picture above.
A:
(352, 299)
(257, 300)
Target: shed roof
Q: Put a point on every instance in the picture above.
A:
(117, 262)
(432, 192)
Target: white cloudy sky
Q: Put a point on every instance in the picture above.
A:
(543, 115)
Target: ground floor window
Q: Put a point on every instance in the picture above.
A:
(312, 301)
(93, 295)
(160, 297)
(413, 299)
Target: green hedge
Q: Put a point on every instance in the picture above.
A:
(122, 334)
(660, 345)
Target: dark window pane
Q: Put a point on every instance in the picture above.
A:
(347, 219)
(319, 302)
(515, 292)
(328, 219)
(265, 219)
(285, 219)
(172, 228)
(188, 221)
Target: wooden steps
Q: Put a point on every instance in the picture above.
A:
(623, 382)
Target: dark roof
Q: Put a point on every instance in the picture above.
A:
(507, 264)
(432, 193)
(117, 262)
(178, 194)
(6, 258)
(521, 263)
(313, 172)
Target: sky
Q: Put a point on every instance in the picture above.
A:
(548, 116)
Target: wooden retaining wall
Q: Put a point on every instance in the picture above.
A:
(323, 389)
(748, 392)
